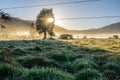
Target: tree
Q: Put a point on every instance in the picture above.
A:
(45, 22)
(32, 25)
(4, 16)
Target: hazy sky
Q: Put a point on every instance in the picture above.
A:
(89, 9)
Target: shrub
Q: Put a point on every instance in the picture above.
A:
(47, 74)
(88, 74)
(51, 38)
(66, 36)
(115, 36)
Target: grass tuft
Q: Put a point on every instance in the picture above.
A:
(88, 74)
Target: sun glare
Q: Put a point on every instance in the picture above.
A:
(60, 23)
(50, 20)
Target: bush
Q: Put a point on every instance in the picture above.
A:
(88, 74)
(51, 38)
(47, 74)
(115, 36)
(66, 36)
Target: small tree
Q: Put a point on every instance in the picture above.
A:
(115, 36)
(32, 25)
(4, 16)
(45, 22)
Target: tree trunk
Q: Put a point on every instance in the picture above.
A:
(45, 35)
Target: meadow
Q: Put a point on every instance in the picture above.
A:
(78, 59)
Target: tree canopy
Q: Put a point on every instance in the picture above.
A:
(45, 22)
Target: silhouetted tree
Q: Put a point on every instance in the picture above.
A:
(42, 24)
(4, 16)
(32, 25)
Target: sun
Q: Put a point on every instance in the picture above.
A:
(50, 20)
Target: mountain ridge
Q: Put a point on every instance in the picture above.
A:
(112, 28)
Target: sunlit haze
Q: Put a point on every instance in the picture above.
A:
(88, 9)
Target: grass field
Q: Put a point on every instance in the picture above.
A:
(79, 59)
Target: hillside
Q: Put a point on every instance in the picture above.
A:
(23, 27)
(20, 27)
(109, 29)
(113, 28)
(61, 30)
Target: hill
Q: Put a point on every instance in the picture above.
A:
(23, 27)
(19, 27)
(109, 29)
(112, 28)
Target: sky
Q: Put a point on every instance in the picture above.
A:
(88, 9)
